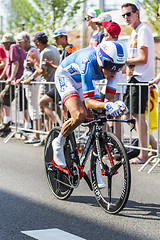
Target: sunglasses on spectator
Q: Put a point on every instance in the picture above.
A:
(127, 14)
(87, 18)
(158, 14)
(105, 34)
(112, 67)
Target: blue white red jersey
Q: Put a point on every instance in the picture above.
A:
(82, 67)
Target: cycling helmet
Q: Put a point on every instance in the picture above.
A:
(111, 55)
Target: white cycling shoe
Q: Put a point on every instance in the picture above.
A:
(58, 153)
(101, 184)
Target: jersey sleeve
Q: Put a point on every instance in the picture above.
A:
(112, 85)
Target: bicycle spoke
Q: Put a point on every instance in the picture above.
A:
(109, 188)
(114, 169)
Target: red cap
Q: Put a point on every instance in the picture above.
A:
(112, 28)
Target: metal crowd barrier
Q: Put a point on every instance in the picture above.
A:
(17, 117)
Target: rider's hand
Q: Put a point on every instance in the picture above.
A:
(112, 109)
(123, 106)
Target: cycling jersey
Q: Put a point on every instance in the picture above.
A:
(76, 75)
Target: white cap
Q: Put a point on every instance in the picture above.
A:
(59, 32)
(91, 12)
(7, 37)
(136, 3)
(103, 17)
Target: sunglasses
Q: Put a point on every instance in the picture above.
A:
(112, 67)
(127, 14)
(87, 18)
(105, 34)
(158, 14)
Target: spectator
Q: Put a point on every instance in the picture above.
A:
(2, 65)
(30, 74)
(96, 36)
(156, 80)
(13, 70)
(111, 33)
(140, 63)
(49, 53)
(102, 17)
(61, 38)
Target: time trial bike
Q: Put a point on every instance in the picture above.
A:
(107, 156)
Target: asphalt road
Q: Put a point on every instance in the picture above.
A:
(28, 204)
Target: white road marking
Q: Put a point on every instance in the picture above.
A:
(51, 234)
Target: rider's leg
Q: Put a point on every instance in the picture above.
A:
(78, 115)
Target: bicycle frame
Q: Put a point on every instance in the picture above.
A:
(95, 135)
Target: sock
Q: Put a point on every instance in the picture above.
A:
(6, 119)
(60, 139)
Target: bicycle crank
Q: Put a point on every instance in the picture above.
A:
(74, 177)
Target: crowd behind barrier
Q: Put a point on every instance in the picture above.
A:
(18, 125)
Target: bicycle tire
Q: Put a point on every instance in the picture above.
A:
(57, 180)
(114, 196)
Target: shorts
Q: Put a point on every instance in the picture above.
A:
(32, 94)
(134, 97)
(53, 93)
(68, 87)
(7, 95)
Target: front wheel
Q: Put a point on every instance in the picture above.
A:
(115, 174)
(58, 180)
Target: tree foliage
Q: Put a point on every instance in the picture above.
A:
(42, 14)
(151, 7)
(22, 13)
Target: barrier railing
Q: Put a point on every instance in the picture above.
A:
(18, 119)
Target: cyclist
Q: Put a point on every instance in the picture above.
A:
(74, 82)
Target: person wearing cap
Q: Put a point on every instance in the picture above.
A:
(95, 36)
(12, 71)
(112, 31)
(61, 38)
(102, 17)
(140, 69)
(49, 53)
(29, 73)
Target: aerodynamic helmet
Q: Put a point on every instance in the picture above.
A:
(111, 55)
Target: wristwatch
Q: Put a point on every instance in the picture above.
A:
(32, 78)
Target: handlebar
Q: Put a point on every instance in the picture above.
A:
(99, 117)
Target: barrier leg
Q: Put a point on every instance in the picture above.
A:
(158, 161)
(13, 133)
(146, 163)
